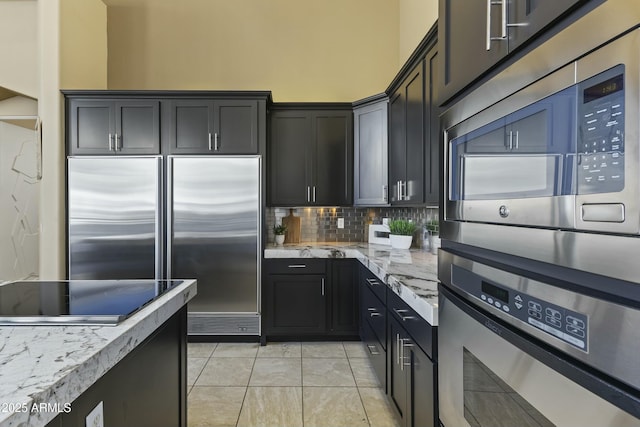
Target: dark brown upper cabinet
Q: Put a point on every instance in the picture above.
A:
(311, 155)
(205, 126)
(474, 36)
(113, 126)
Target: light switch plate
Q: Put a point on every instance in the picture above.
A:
(340, 222)
(95, 417)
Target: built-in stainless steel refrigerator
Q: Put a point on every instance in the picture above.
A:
(214, 235)
(201, 219)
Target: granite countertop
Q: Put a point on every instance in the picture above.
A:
(56, 364)
(412, 273)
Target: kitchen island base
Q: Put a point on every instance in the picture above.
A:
(146, 388)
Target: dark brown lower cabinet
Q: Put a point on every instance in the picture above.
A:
(310, 298)
(146, 388)
(411, 379)
(402, 349)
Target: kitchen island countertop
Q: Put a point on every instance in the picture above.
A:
(412, 274)
(43, 369)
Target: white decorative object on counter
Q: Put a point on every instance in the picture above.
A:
(379, 234)
(279, 239)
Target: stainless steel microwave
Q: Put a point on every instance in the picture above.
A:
(561, 153)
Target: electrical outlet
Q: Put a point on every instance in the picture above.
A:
(95, 417)
(340, 222)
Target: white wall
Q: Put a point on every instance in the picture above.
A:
(19, 46)
(19, 203)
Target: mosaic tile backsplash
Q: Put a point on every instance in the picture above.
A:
(321, 224)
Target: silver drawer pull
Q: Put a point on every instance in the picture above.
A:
(372, 309)
(373, 350)
(374, 314)
(400, 313)
(373, 282)
(297, 266)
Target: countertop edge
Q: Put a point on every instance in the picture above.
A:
(68, 383)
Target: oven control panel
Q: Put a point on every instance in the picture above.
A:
(601, 133)
(560, 322)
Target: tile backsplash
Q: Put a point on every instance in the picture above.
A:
(321, 224)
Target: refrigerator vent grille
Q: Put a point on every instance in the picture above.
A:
(223, 325)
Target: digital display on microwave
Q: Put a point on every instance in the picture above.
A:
(614, 84)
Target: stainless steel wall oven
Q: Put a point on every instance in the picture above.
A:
(539, 315)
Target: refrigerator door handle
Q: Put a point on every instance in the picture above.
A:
(169, 205)
(159, 220)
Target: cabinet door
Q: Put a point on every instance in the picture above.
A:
(370, 162)
(397, 144)
(528, 17)
(422, 387)
(332, 182)
(415, 140)
(463, 39)
(137, 127)
(91, 127)
(190, 127)
(289, 151)
(344, 307)
(235, 126)
(397, 384)
(295, 304)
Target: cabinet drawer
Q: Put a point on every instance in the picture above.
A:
(377, 354)
(296, 266)
(374, 313)
(376, 285)
(419, 329)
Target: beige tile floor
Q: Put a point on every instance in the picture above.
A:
(328, 384)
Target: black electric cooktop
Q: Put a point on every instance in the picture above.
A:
(77, 302)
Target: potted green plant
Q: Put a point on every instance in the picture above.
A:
(278, 231)
(433, 227)
(401, 233)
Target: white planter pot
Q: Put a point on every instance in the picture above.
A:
(279, 239)
(400, 242)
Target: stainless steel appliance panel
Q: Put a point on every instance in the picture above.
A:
(608, 327)
(114, 217)
(214, 230)
(485, 380)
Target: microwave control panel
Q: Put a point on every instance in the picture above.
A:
(601, 133)
(564, 324)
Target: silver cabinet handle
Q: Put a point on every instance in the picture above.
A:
(398, 349)
(517, 139)
(402, 316)
(384, 193)
(110, 142)
(210, 147)
(308, 194)
(503, 32)
(297, 266)
(322, 280)
(314, 194)
(510, 141)
(372, 281)
(216, 146)
(372, 309)
(405, 343)
(117, 145)
(374, 314)
(373, 350)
